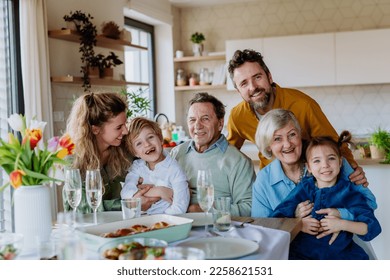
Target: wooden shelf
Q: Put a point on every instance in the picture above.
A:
(99, 82)
(199, 58)
(207, 87)
(104, 42)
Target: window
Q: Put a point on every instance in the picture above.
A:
(11, 97)
(139, 65)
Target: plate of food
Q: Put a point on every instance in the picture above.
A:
(219, 248)
(133, 248)
(200, 219)
(161, 226)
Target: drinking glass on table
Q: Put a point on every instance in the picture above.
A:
(72, 189)
(205, 192)
(94, 190)
(221, 213)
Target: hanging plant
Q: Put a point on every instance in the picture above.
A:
(88, 33)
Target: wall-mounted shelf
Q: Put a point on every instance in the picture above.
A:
(104, 42)
(206, 87)
(199, 58)
(99, 82)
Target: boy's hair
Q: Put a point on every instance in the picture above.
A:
(345, 137)
(136, 125)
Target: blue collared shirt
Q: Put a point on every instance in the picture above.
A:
(221, 144)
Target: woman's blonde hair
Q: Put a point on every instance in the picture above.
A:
(137, 125)
(269, 123)
(96, 109)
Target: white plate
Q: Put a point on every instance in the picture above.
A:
(219, 248)
(199, 218)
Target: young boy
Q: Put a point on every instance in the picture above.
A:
(155, 167)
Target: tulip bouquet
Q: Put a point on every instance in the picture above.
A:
(32, 161)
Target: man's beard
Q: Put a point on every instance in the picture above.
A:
(261, 104)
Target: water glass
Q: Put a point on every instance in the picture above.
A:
(131, 208)
(221, 214)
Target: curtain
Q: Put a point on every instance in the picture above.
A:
(35, 62)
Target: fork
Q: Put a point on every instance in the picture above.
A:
(247, 221)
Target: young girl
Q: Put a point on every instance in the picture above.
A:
(155, 167)
(325, 190)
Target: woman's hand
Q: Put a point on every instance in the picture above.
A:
(358, 177)
(303, 209)
(310, 225)
(164, 193)
(146, 202)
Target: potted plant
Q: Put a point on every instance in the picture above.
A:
(138, 104)
(197, 39)
(108, 63)
(95, 66)
(379, 143)
(88, 33)
(111, 30)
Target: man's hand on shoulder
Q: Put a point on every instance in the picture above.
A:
(358, 177)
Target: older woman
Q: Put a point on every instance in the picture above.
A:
(278, 135)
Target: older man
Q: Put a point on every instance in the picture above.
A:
(233, 172)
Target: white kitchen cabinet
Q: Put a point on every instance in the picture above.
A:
(378, 175)
(294, 61)
(302, 60)
(363, 57)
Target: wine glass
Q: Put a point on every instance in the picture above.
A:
(72, 189)
(94, 190)
(205, 193)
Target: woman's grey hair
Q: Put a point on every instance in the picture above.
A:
(270, 122)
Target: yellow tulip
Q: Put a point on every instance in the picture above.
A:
(15, 178)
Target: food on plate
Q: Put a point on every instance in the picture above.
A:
(160, 225)
(134, 251)
(134, 229)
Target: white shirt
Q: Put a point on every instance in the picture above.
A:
(168, 174)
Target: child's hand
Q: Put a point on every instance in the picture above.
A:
(303, 209)
(330, 225)
(310, 225)
(329, 212)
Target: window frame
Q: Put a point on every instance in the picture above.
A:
(129, 22)
(14, 89)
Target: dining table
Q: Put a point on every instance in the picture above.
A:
(265, 238)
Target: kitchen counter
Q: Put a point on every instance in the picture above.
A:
(370, 161)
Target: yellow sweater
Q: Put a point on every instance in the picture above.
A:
(243, 122)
